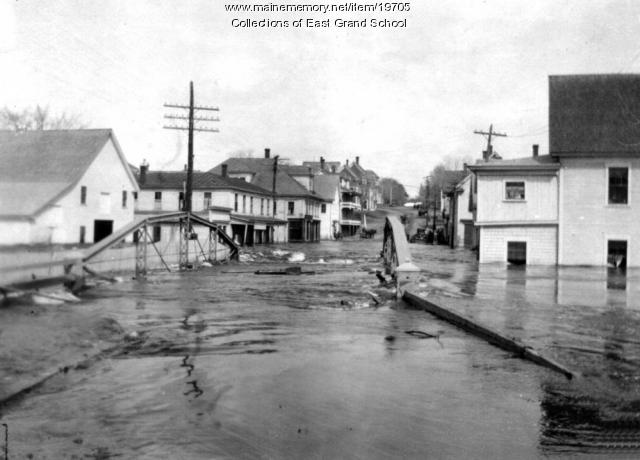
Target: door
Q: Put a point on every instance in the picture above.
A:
(617, 253)
(517, 252)
(102, 229)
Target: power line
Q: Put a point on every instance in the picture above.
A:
(190, 128)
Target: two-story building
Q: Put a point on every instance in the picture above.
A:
(63, 186)
(594, 134)
(298, 206)
(517, 211)
(241, 209)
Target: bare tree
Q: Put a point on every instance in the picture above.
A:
(454, 162)
(38, 118)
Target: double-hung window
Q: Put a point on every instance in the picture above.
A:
(514, 190)
(618, 185)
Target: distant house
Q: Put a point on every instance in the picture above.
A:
(594, 134)
(372, 190)
(462, 231)
(327, 186)
(449, 206)
(66, 186)
(517, 210)
(241, 209)
(350, 201)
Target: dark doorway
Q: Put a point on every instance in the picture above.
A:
(249, 240)
(237, 233)
(617, 253)
(102, 229)
(517, 252)
(295, 230)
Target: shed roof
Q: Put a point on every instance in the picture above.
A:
(594, 114)
(541, 162)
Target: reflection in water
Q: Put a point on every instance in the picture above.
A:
(586, 318)
(616, 279)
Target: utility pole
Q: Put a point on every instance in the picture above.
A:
(273, 188)
(426, 201)
(191, 119)
(190, 128)
(435, 204)
(490, 134)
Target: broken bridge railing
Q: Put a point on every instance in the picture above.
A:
(397, 255)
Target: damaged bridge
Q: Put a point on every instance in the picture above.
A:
(196, 241)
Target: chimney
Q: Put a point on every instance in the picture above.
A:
(267, 153)
(185, 167)
(144, 167)
(224, 170)
(322, 163)
(347, 162)
(357, 160)
(535, 150)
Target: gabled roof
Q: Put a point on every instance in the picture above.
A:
(594, 114)
(537, 163)
(37, 168)
(346, 171)
(175, 180)
(285, 184)
(326, 185)
(357, 170)
(244, 165)
(262, 170)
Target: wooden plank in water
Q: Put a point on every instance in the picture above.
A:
(484, 332)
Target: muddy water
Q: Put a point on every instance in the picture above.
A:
(223, 363)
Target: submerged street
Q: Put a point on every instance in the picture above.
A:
(223, 363)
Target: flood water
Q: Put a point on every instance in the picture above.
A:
(223, 363)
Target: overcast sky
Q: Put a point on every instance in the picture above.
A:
(401, 99)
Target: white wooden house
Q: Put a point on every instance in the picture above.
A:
(63, 186)
(298, 206)
(517, 210)
(243, 210)
(594, 133)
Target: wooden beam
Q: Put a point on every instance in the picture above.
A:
(479, 330)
